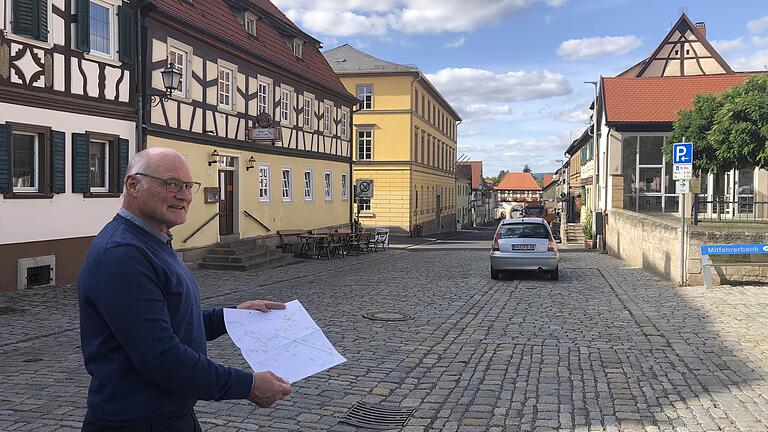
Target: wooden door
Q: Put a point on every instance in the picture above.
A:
(226, 202)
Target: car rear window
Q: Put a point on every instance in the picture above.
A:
(524, 230)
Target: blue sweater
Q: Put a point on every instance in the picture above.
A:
(143, 333)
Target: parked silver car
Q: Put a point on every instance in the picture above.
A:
(524, 244)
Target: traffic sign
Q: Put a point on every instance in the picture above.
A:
(682, 171)
(364, 189)
(682, 153)
(683, 186)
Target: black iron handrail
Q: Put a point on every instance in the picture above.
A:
(743, 208)
(201, 227)
(257, 221)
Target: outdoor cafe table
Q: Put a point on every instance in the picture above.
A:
(309, 244)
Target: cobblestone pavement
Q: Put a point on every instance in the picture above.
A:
(605, 348)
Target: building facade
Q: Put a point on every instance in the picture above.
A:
(404, 140)
(67, 130)
(262, 119)
(637, 110)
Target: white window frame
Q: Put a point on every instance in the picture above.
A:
(328, 179)
(326, 118)
(262, 103)
(106, 165)
(297, 47)
(285, 106)
(36, 172)
(366, 102)
(307, 118)
(264, 186)
(369, 152)
(252, 19)
(308, 192)
(112, 29)
(231, 84)
(181, 91)
(364, 207)
(344, 187)
(343, 124)
(286, 184)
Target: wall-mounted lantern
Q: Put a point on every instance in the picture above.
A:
(251, 163)
(215, 157)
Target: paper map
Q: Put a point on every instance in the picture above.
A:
(287, 342)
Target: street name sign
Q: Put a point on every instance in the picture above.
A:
(682, 161)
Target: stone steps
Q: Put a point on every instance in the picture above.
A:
(243, 255)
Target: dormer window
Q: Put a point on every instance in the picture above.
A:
(297, 44)
(250, 23)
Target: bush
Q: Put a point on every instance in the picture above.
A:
(586, 227)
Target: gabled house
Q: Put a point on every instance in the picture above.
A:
(263, 120)
(637, 110)
(481, 194)
(518, 187)
(67, 130)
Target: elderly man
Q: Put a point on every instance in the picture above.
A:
(142, 329)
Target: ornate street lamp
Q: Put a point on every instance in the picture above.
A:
(171, 81)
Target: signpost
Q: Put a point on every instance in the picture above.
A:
(727, 249)
(363, 190)
(682, 171)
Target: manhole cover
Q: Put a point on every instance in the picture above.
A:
(387, 316)
(376, 416)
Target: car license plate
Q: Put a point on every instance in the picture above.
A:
(523, 247)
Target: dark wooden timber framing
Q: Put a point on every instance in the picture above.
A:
(163, 132)
(684, 23)
(219, 134)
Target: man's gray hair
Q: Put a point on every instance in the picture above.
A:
(138, 163)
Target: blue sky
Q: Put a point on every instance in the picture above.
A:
(515, 69)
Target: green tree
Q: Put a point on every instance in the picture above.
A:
(527, 169)
(729, 131)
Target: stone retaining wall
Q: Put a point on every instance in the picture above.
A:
(646, 241)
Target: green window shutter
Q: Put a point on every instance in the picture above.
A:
(122, 161)
(58, 161)
(81, 144)
(84, 25)
(6, 139)
(42, 23)
(126, 33)
(26, 17)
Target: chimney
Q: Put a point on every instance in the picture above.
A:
(702, 26)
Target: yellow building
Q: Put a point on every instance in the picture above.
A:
(257, 180)
(404, 139)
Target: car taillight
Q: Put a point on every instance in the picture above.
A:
(495, 244)
(552, 247)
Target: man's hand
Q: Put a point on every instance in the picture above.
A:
(268, 388)
(261, 305)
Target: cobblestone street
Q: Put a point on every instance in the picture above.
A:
(605, 348)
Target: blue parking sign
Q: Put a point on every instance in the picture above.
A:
(682, 153)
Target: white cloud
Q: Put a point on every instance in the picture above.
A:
(758, 25)
(469, 86)
(469, 133)
(347, 18)
(760, 41)
(455, 44)
(579, 49)
(725, 47)
(485, 109)
(579, 115)
(756, 62)
(555, 3)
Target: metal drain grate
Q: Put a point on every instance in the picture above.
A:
(387, 316)
(376, 416)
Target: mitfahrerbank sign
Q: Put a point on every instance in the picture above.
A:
(735, 249)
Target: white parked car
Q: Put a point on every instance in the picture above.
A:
(524, 244)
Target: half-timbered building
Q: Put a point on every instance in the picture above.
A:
(67, 129)
(242, 64)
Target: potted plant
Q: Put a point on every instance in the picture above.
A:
(586, 229)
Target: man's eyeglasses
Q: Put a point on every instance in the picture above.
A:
(175, 186)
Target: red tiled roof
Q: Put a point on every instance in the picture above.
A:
(547, 180)
(217, 18)
(658, 99)
(518, 181)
